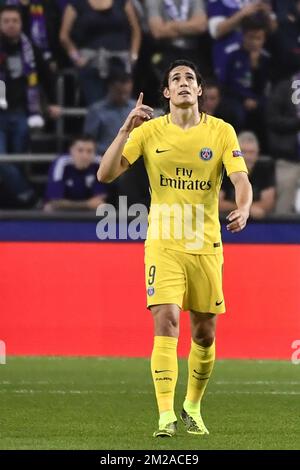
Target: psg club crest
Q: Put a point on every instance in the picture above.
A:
(206, 154)
(150, 291)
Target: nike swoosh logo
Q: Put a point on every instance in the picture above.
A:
(219, 303)
(165, 370)
(162, 151)
(200, 373)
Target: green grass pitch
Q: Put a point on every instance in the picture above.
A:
(100, 403)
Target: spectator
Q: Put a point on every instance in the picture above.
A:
(105, 117)
(225, 18)
(105, 36)
(178, 28)
(20, 105)
(41, 19)
(247, 75)
(283, 114)
(72, 182)
(261, 176)
(37, 16)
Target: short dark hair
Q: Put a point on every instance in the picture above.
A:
(13, 8)
(165, 80)
(83, 138)
(258, 22)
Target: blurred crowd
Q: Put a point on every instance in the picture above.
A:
(248, 52)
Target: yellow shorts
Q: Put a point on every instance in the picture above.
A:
(194, 282)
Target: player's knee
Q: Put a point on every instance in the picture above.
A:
(169, 327)
(204, 340)
(166, 323)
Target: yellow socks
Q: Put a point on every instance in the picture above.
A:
(200, 363)
(164, 368)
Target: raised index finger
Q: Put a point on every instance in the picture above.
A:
(140, 99)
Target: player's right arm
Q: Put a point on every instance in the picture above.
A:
(113, 163)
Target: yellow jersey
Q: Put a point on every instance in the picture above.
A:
(185, 170)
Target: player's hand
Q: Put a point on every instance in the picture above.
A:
(237, 220)
(138, 115)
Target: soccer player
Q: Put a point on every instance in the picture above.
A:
(184, 153)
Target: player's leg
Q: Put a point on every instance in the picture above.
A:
(200, 365)
(164, 366)
(204, 300)
(165, 284)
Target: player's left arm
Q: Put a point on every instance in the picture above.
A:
(243, 197)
